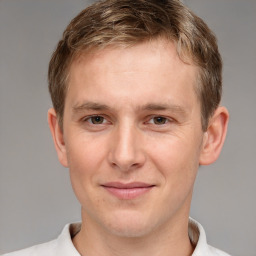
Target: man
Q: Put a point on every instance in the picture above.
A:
(136, 88)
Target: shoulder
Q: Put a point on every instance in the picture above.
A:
(198, 238)
(48, 249)
(61, 246)
(217, 252)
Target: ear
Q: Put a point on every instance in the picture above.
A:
(58, 138)
(214, 137)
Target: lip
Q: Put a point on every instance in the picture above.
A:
(127, 191)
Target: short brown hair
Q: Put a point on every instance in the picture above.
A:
(126, 22)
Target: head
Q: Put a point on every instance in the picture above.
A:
(127, 23)
(135, 87)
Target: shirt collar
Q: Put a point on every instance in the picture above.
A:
(198, 238)
(65, 245)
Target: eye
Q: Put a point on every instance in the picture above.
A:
(158, 120)
(96, 120)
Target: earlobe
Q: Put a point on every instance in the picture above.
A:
(58, 138)
(214, 137)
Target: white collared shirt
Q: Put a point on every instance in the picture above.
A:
(63, 246)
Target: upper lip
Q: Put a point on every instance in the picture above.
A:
(121, 185)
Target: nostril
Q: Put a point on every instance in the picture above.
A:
(126, 167)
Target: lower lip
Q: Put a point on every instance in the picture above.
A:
(128, 193)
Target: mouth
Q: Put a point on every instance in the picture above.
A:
(127, 191)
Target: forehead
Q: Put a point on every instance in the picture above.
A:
(155, 50)
(149, 69)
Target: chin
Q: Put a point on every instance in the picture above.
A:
(130, 226)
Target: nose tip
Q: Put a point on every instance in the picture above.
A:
(126, 152)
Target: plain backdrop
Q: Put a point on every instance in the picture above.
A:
(36, 198)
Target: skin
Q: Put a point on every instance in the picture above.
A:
(132, 115)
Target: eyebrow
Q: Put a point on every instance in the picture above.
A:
(148, 107)
(89, 106)
(158, 107)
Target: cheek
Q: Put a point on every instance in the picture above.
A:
(178, 160)
(85, 159)
(84, 153)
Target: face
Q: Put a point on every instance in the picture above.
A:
(132, 137)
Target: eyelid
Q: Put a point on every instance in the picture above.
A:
(87, 118)
(148, 119)
(168, 119)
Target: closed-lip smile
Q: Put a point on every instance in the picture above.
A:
(127, 191)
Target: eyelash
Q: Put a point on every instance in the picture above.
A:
(94, 116)
(153, 118)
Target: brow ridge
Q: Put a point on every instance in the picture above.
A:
(89, 106)
(148, 107)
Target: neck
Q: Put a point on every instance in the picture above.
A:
(169, 240)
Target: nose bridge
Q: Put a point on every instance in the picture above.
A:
(126, 151)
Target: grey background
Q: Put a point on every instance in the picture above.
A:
(36, 198)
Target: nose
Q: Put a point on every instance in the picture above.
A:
(126, 151)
